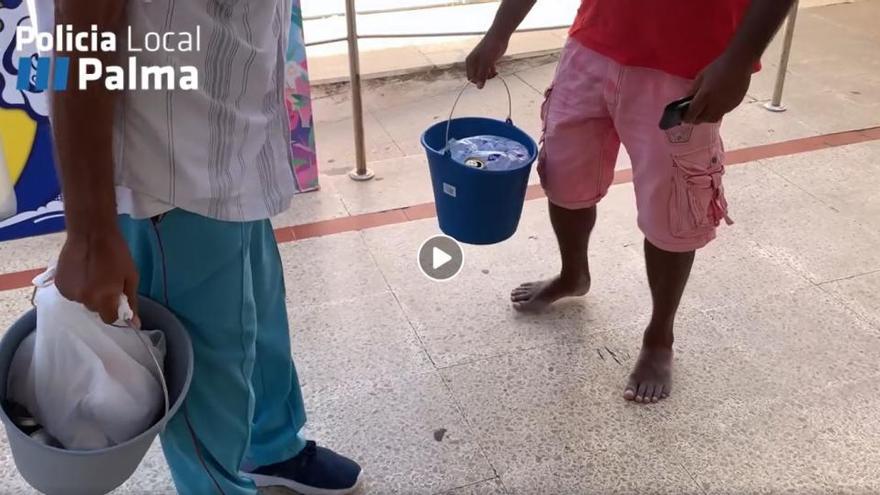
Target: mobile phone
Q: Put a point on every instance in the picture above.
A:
(674, 113)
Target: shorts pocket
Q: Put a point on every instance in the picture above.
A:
(697, 203)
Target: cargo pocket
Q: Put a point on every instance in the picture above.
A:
(697, 203)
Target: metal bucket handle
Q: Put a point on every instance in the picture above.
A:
(509, 119)
(129, 324)
(162, 380)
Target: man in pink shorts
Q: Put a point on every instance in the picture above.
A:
(624, 61)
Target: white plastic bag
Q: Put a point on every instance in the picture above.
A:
(90, 385)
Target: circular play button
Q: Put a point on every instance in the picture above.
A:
(441, 258)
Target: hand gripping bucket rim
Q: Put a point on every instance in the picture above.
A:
(477, 206)
(58, 471)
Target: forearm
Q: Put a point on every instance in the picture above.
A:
(761, 21)
(509, 16)
(82, 122)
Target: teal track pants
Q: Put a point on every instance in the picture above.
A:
(225, 283)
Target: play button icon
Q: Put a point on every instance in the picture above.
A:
(440, 258)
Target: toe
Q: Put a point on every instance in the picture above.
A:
(520, 296)
(524, 288)
(629, 393)
(649, 393)
(640, 394)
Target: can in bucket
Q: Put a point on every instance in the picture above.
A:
(475, 163)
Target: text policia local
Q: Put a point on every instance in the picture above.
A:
(65, 41)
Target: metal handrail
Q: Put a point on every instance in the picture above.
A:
(431, 35)
(775, 105)
(401, 9)
(361, 172)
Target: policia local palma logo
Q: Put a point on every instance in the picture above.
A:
(34, 73)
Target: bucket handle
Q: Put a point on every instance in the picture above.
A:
(124, 311)
(509, 119)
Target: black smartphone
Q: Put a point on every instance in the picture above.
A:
(674, 113)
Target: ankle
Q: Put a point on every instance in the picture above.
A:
(658, 336)
(575, 277)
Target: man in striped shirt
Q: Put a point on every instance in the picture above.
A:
(168, 194)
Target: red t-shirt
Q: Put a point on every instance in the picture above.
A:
(680, 37)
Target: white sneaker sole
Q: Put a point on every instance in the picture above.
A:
(263, 481)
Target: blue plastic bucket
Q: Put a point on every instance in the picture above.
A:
(476, 206)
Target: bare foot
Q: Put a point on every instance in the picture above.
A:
(651, 379)
(535, 296)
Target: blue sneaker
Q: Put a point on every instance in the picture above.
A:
(314, 471)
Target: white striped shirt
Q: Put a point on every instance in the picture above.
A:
(223, 150)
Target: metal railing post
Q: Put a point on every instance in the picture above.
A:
(775, 105)
(361, 172)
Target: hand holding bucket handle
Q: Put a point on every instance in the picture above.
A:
(509, 119)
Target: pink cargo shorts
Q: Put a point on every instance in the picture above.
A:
(594, 105)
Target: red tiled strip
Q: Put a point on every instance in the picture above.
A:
(19, 280)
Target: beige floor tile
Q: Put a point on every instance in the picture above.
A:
(552, 402)
(491, 487)
(736, 268)
(314, 206)
(448, 56)
(846, 179)
(10, 480)
(622, 471)
(333, 142)
(399, 182)
(753, 125)
(861, 16)
(861, 294)
(329, 269)
(820, 40)
(788, 223)
(29, 253)
(364, 338)
(751, 450)
(375, 63)
(13, 304)
(814, 444)
(540, 76)
(804, 341)
(845, 419)
(406, 431)
(151, 477)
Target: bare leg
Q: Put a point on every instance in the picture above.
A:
(572, 228)
(651, 379)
